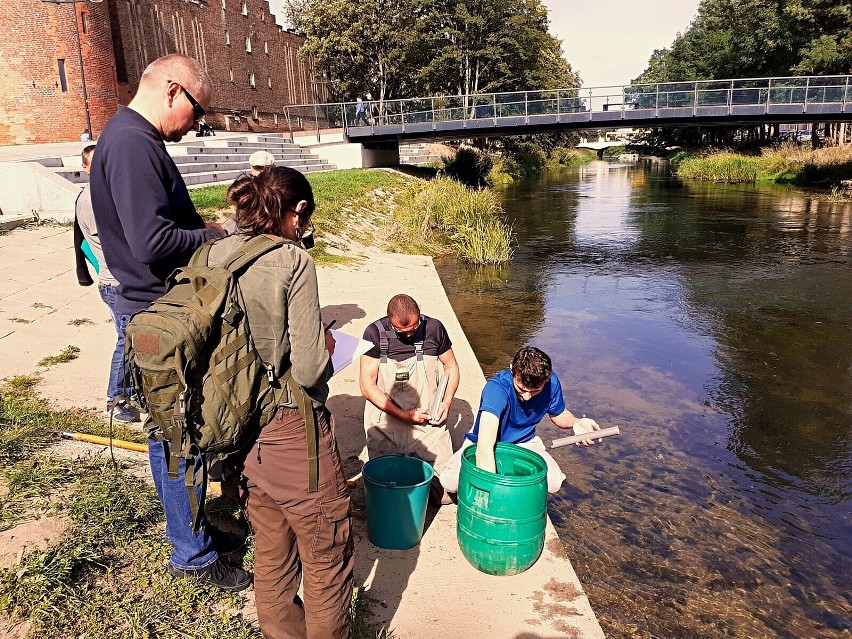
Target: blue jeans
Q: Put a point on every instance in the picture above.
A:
(191, 550)
(117, 379)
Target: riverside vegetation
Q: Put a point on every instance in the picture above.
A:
(788, 164)
(392, 211)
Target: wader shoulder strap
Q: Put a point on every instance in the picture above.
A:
(384, 341)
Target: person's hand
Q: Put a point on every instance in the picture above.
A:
(443, 414)
(585, 425)
(329, 342)
(221, 230)
(417, 416)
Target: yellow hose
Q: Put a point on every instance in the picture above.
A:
(105, 441)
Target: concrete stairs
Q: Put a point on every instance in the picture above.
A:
(416, 154)
(211, 160)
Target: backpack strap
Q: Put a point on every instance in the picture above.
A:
(200, 257)
(306, 407)
(259, 245)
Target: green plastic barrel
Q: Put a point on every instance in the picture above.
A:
(397, 490)
(501, 516)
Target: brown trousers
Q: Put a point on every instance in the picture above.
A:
(299, 535)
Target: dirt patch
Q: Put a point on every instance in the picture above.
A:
(28, 536)
(561, 591)
(11, 629)
(552, 611)
(556, 548)
(570, 632)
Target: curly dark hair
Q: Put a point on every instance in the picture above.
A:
(262, 200)
(531, 366)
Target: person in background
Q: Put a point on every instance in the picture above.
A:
(360, 112)
(260, 160)
(399, 378)
(301, 537)
(84, 220)
(148, 226)
(513, 402)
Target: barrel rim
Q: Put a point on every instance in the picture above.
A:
(505, 480)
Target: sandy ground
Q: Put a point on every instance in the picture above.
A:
(426, 592)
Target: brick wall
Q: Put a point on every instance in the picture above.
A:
(121, 37)
(33, 105)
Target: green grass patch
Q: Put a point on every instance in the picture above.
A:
(444, 214)
(66, 355)
(564, 156)
(788, 164)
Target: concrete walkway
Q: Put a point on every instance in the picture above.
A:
(427, 592)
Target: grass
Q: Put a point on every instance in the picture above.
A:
(106, 576)
(390, 210)
(787, 164)
(83, 321)
(444, 213)
(563, 156)
(66, 355)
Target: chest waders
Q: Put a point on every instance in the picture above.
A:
(410, 383)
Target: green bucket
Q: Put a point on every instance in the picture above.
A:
(501, 516)
(397, 490)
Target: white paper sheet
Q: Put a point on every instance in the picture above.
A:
(347, 348)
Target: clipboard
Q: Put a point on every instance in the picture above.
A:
(346, 349)
(435, 409)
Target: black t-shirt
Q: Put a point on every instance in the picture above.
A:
(431, 332)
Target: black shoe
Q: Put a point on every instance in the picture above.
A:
(225, 542)
(219, 574)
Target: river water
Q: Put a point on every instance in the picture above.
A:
(711, 323)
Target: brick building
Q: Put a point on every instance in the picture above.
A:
(253, 62)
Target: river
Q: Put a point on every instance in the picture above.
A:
(711, 323)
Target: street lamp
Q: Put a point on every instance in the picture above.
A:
(80, 56)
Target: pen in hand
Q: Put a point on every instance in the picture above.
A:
(329, 325)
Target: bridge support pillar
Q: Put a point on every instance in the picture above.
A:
(380, 154)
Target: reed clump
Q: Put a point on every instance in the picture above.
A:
(788, 163)
(445, 214)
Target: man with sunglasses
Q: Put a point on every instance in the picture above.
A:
(513, 402)
(400, 377)
(148, 226)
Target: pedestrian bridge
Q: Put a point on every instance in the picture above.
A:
(710, 102)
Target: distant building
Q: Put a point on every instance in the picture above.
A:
(253, 62)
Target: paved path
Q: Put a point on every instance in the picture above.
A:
(427, 592)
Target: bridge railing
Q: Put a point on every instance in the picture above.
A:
(497, 107)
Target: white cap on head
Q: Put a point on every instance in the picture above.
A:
(261, 158)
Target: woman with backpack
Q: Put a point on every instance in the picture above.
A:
(299, 508)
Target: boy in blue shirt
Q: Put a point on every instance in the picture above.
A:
(513, 402)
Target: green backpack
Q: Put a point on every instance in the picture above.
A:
(196, 372)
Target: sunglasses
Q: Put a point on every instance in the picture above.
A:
(197, 110)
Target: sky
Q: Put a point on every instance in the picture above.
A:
(609, 42)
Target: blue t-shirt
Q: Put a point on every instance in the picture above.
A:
(517, 419)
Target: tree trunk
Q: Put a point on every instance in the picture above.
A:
(814, 136)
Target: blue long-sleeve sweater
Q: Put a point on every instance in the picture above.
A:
(146, 221)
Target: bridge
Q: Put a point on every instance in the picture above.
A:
(800, 99)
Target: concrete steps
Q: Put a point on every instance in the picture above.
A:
(415, 154)
(210, 160)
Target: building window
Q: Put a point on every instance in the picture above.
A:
(266, 47)
(231, 74)
(269, 82)
(84, 21)
(251, 80)
(248, 45)
(63, 82)
(223, 5)
(245, 9)
(275, 118)
(254, 112)
(228, 38)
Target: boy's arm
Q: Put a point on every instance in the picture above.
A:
(489, 427)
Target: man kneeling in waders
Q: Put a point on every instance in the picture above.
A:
(400, 376)
(513, 402)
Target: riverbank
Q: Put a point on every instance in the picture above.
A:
(788, 164)
(117, 584)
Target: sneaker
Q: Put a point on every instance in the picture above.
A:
(225, 542)
(123, 413)
(219, 574)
